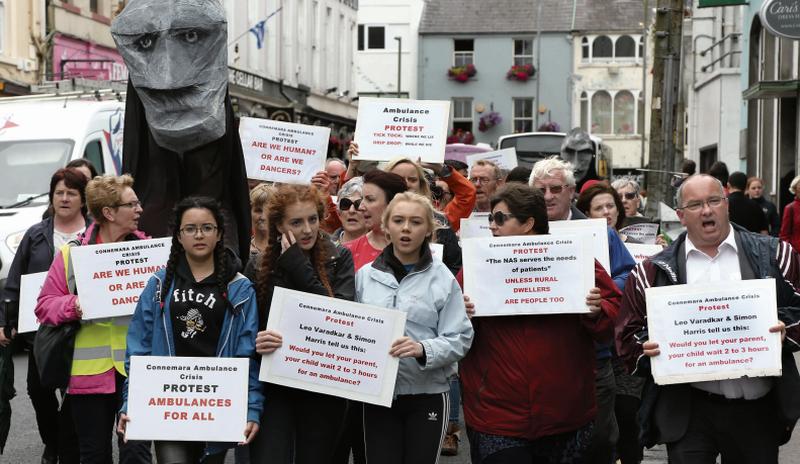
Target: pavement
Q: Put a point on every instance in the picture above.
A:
(24, 446)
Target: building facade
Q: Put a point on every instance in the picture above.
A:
(610, 84)
(387, 33)
(770, 84)
(493, 38)
(299, 66)
(713, 62)
(22, 27)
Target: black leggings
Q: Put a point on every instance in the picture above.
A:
(300, 423)
(410, 432)
(184, 452)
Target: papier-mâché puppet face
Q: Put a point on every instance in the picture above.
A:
(176, 54)
(578, 149)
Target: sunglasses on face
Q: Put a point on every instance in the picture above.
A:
(346, 203)
(555, 189)
(499, 218)
(629, 195)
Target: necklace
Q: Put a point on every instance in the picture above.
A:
(253, 244)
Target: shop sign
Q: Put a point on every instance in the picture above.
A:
(781, 17)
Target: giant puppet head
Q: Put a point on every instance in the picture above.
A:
(176, 54)
(578, 149)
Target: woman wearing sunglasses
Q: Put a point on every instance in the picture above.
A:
(351, 217)
(628, 191)
(529, 380)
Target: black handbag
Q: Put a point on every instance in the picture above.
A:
(53, 348)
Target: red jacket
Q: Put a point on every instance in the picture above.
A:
(790, 225)
(533, 376)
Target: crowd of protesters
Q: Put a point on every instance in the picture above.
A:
(536, 388)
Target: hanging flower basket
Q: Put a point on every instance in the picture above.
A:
(521, 73)
(549, 126)
(489, 120)
(462, 73)
(461, 136)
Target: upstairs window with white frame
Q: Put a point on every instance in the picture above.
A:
(608, 49)
(462, 114)
(463, 52)
(523, 52)
(615, 112)
(371, 37)
(523, 115)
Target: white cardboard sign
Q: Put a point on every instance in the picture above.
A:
(111, 276)
(475, 226)
(643, 232)
(280, 151)
(335, 347)
(389, 127)
(599, 230)
(714, 331)
(505, 159)
(187, 399)
(641, 252)
(29, 289)
(528, 274)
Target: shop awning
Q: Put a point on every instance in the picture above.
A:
(772, 89)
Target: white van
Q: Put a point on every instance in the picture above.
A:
(37, 137)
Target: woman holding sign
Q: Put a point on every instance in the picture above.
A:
(35, 254)
(98, 371)
(529, 380)
(298, 257)
(221, 319)
(438, 334)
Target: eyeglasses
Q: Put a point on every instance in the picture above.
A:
(695, 206)
(480, 180)
(629, 195)
(499, 218)
(346, 203)
(192, 229)
(130, 204)
(554, 189)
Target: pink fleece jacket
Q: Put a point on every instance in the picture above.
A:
(56, 306)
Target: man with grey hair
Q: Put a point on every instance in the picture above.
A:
(555, 178)
(487, 177)
(334, 167)
(744, 420)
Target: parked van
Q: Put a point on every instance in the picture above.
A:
(39, 135)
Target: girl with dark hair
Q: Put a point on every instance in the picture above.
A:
(168, 324)
(35, 254)
(298, 256)
(379, 189)
(551, 355)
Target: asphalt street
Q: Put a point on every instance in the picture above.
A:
(24, 445)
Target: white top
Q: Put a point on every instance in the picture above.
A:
(62, 238)
(701, 268)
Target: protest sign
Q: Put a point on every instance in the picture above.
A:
(505, 159)
(389, 127)
(528, 274)
(642, 252)
(714, 331)
(475, 226)
(599, 236)
(335, 347)
(187, 399)
(643, 232)
(280, 151)
(29, 289)
(110, 277)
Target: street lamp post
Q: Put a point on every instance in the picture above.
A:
(399, 62)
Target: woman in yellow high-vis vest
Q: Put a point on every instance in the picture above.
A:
(98, 370)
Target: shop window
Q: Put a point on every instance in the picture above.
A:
(601, 113)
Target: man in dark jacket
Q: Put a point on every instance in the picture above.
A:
(747, 419)
(742, 210)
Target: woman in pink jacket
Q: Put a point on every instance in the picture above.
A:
(97, 375)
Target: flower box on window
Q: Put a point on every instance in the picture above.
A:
(521, 72)
(461, 136)
(462, 73)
